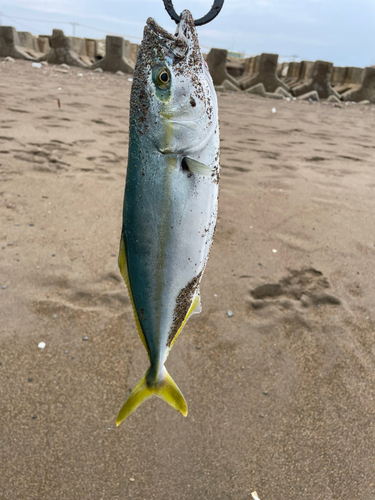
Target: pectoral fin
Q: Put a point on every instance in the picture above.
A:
(196, 167)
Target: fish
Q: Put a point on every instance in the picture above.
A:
(171, 197)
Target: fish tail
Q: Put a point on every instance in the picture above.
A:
(163, 387)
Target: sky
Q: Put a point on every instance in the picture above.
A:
(339, 31)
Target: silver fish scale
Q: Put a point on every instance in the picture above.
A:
(169, 210)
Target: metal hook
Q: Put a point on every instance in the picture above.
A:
(214, 11)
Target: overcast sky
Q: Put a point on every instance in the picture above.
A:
(340, 31)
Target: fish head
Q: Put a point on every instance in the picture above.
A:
(173, 99)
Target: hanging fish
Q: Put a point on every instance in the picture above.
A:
(171, 196)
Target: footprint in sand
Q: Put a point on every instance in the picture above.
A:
(304, 288)
(70, 296)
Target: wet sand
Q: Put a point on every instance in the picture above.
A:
(281, 395)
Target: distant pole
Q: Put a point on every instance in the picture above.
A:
(0, 17)
(74, 28)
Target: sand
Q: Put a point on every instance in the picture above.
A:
(281, 395)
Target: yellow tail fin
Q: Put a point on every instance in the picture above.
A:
(165, 388)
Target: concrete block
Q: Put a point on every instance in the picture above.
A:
(256, 64)
(117, 56)
(62, 51)
(217, 64)
(305, 73)
(90, 49)
(366, 90)
(352, 80)
(43, 44)
(248, 65)
(273, 95)
(79, 46)
(29, 44)
(257, 90)
(293, 72)
(284, 70)
(228, 85)
(134, 48)
(282, 92)
(319, 81)
(333, 98)
(309, 96)
(10, 44)
(100, 49)
(265, 72)
(338, 75)
(235, 68)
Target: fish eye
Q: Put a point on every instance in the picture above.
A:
(163, 78)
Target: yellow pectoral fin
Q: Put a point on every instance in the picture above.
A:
(123, 265)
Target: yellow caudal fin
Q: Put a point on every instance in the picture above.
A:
(164, 388)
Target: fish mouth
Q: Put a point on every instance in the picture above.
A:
(175, 44)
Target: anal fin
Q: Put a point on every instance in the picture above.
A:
(194, 308)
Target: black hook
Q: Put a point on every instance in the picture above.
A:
(214, 11)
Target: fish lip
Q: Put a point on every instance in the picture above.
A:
(160, 32)
(173, 43)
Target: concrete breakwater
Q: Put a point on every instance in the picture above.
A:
(260, 74)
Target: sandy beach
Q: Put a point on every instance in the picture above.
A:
(281, 395)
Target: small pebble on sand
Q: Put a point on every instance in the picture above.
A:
(229, 314)
(41, 345)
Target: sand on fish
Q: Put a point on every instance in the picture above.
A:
(281, 395)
